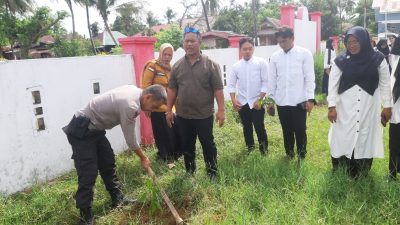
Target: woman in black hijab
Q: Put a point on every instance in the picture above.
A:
(383, 47)
(394, 130)
(330, 55)
(358, 83)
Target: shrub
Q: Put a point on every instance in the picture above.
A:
(319, 71)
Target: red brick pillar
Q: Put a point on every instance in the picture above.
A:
(142, 50)
(234, 43)
(316, 17)
(287, 16)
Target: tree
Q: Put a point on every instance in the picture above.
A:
(69, 3)
(169, 15)
(28, 30)
(128, 19)
(212, 7)
(103, 7)
(172, 35)
(151, 21)
(188, 5)
(365, 16)
(16, 6)
(205, 15)
(329, 20)
(94, 28)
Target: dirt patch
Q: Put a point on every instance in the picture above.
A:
(161, 216)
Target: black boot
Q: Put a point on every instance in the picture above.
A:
(263, 148)
(118, 199)
(86, 216)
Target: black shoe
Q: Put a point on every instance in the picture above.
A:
(263, 148)
(250, 148)
(86, 217)
(118, 199)
(392, 176)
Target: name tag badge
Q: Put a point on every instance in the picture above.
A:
(160, 74)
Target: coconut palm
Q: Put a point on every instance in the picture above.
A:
(16, 6)
(87, 4)
(104, 6)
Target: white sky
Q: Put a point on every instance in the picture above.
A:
(158, 7)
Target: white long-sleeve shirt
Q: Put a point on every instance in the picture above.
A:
(333, 56)
(358, 127)
(250, 79)
(291, 78)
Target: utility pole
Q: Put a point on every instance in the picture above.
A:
(253, 8)
(365, 14)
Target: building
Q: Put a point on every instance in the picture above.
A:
(106, 42)
(387, 14)
(218, 39)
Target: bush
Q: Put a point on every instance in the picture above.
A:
(319, 71)
(70, 48)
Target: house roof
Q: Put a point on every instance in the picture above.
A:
(106, 39)
(47, 39)
(221, 34)
(269, 26)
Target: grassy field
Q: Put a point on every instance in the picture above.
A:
(250, 189)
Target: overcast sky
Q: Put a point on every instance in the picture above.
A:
(158, 7)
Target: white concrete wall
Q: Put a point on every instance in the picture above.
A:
(305, 34)
(28, 156)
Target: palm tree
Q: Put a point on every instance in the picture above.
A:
(205, 15)
(169, 15)
(69, 3)
(103, 6)
(16, 6)
(88, 3)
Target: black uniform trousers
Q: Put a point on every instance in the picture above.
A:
(354, 167)
(166, 138)
(394, 149)
(203, 128)
(92, 153)
(250, 118)
(293, 122)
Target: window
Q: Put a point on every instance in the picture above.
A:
(96, 87)
(38, 111)
(36, 97)
(40, 124)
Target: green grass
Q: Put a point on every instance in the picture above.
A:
(250, 189)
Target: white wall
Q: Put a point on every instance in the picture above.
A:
(305, 34)
(28, 156)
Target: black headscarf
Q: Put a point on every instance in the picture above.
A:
(360, 69)
(329, 47)
(385, 50)
(396, 86)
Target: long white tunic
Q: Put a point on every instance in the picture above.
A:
(358, 126)
(396, 107)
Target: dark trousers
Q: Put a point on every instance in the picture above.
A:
(394, 149)
(92, 153)
(166, 138)
(250, 118)
(203, 128)
(293, 122)
(354, 167)
(325, 83)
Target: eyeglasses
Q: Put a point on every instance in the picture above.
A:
(191, 30)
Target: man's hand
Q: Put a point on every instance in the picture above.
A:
(385, 115)
(220, 118)
(309, 106)
(169, 116)
(236, 105)
(145, 163)
(271, 109)
(257, 105)
(332, 114)
(328, 71)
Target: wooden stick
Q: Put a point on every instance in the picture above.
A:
(171, 207)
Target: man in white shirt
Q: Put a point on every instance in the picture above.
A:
(291, 84)
(249, 75)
